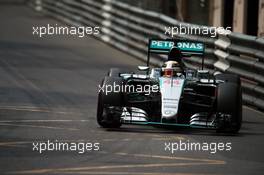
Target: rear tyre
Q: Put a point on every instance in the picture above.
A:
(229, 101)
(109, 105)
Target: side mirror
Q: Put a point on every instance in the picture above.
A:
(143, 68)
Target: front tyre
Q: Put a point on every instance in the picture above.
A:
(109, 105)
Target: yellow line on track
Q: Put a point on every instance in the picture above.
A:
(88, 169)
(31, 109)
(38, 126)
(171, 157)
(130, 173)
(39, 121)
(73, 170)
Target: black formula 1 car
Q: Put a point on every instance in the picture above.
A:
(171, 94)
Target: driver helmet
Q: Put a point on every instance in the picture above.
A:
(171, 69)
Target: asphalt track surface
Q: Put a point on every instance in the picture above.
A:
(48, 91)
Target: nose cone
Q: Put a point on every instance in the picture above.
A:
(171, 90)
(169, 113)
(168, 118)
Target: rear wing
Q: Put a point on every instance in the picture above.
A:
(187, 48)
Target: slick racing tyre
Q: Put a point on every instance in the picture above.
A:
(229, 101)
(109, 104)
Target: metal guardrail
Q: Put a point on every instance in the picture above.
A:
(243, 55)
(128, 28)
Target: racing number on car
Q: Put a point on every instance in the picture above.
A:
(175, 82)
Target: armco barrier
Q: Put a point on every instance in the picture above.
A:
(128, 28)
